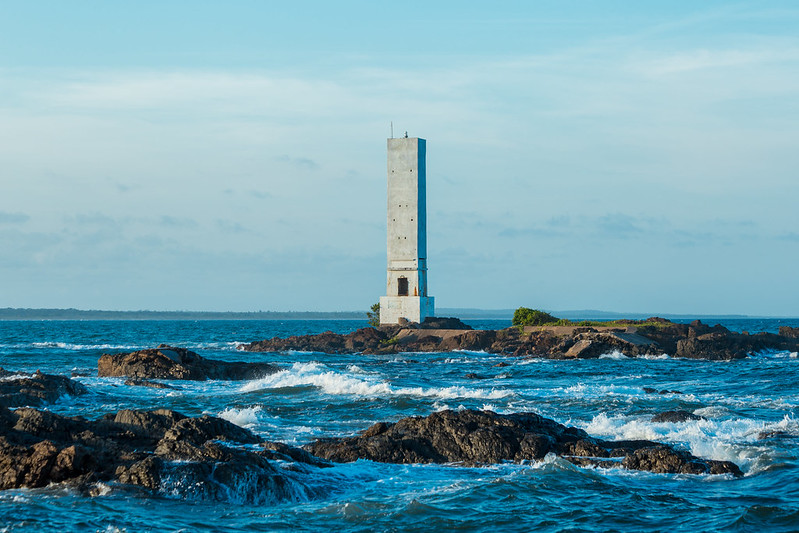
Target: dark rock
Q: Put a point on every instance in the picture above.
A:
(167, 362)
(675, 416)
(666, 460)
(774, 434)
(472, 375)
(283, 452)
(36, 389)
(715, 346)
(362, 340)
(788, 331)
(206, 428)
(157, 450)
(147, 383)
(152, 424)
(145, 473)
(443, 323)
(650, 390)
(474, 437)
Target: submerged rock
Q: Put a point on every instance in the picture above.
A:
(474, 437)
(652, 390)
(167, 362)
(678, 415)
(134, 382)
(17, 390)
(157, 450)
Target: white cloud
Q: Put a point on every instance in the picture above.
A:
(190, 167)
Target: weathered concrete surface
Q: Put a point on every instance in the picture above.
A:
(406, 236)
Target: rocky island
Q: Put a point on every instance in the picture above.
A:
(633, 338)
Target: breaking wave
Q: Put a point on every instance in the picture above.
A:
(336, 383)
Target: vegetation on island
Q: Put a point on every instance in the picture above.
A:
(524, 316)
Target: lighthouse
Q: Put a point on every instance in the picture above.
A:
(406, 244)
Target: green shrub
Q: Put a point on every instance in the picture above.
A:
(525, 316)
(374, 315)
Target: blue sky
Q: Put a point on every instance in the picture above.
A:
(623, 156)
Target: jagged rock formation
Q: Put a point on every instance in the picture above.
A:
(153, 450)
(167, 362)
(474, 437)
(28, 390)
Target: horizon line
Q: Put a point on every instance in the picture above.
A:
(465, 310)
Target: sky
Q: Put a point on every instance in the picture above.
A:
(231, 156)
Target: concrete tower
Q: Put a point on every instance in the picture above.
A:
(406, 280)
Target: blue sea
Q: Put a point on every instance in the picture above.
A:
(320, 395)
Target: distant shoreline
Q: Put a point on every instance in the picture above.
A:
(10, 313)
(78, 314)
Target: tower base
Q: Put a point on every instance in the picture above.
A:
(411, 308)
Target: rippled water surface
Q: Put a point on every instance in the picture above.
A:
(749, 409)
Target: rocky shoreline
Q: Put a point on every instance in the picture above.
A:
(650, 337)
(154, 450)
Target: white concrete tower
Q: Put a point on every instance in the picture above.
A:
(406, 283)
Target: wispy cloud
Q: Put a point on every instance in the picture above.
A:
(13, 218)
(300, 162)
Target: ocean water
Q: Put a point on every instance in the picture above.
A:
(337, 395)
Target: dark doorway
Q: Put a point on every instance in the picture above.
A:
(402, 287)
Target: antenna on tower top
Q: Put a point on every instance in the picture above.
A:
(392, 129)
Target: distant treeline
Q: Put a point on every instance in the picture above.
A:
(9, 313)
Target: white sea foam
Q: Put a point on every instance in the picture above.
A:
(615, 354)
(102, 489)
(655, 357)
(355, 369)
(774, 354)
(581, 390)
(246, 417)
(113, 529)
(714, 411)
(336, 383)
(16, 375)
(77, 347)
(723, 439)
